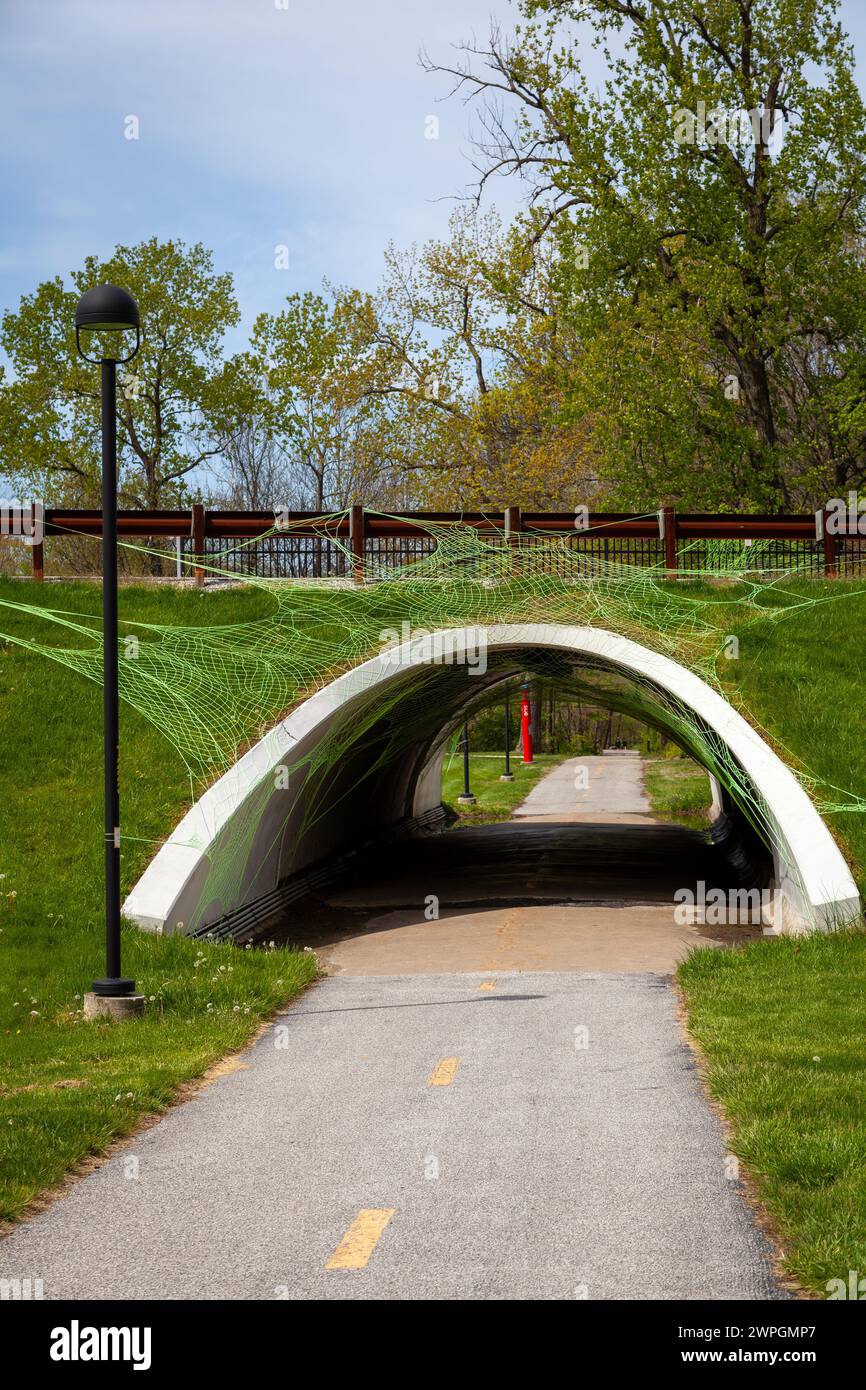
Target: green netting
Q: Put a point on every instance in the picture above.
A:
(213, 690)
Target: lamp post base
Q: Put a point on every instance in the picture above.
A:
(118, 1006)
(113, 987)
(507, 777)
(466, 799)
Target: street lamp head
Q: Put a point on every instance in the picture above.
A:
(107, 309)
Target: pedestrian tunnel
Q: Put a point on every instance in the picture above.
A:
(360, 762)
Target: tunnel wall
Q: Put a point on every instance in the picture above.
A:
(247, 835)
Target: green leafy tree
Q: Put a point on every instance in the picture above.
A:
(708, 204)
(313, 363)
(470, 354)
(178, 401)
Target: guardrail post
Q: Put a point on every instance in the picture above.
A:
(38, 557)
(823, 533)
(356, 542)
(197, 532)
(668, 533)
(513, 526)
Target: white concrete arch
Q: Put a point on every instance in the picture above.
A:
(233, 851)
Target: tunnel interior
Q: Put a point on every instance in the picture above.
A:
(376, 775)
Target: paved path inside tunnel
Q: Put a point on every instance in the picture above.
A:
(582, 878)
(503, 1133)
(609, 784)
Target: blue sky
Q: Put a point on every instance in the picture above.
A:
(258, 126)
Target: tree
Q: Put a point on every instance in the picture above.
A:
(708, 205)
(313, 360)
(469, 350)
(253, 474)
(179, 401)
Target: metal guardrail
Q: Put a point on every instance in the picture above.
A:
(666, 539)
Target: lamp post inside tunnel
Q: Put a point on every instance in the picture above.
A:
(508, 775)
(106, 309)
(466, 797)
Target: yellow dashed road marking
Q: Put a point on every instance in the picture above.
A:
(487, 984)
(361, 1239)
(445, 1071)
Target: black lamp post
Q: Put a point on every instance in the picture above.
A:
(103, 310)
(508, 775)
(465, 798)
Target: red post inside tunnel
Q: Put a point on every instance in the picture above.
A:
(526, 725)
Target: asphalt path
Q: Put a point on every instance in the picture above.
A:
(429, 1137)
(606, 784)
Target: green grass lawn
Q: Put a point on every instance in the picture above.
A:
(69, 1087)
(495, 800)
(782, 1024)
(800, 677)
(678, 790)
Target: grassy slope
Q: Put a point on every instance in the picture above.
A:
(68, 1087)
(803, 678)
(782, 1023)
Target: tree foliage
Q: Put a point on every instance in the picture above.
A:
(178, 401)
(713, 275)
